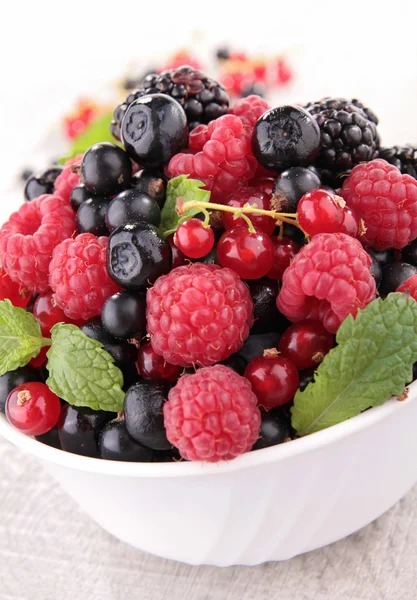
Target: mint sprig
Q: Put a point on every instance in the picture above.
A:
(181, 187)
(82, 372)
(20, 337)
(372, 361)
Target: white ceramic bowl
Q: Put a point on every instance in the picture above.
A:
(267, 505)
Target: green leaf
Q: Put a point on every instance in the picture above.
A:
(20, 337)
(97, 131)
(82, 372)
(372, 361)
(181, 187)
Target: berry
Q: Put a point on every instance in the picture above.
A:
(222, 157)
(18, 295)
(25, 173)
(212, 415)
(320, 211)
(106, 169)
(386, 200)
(124, 354)
(291, 185)
(151, 365)
(79, 429)
(69, 178)
(329, 279)
(383, 256)
(254, 197)
(29, 237)
(256, 344)
(249, 109)
(143, 406)
(408, 254)
(48, 314)
(236, 363)
(348, 134)
(274, 379)
(194, 239)
(79, 195)
(409, 286)
(152, 183)
(91, 216)
(402, 157)
(32, 408)
(130, 207)
(138, 255)
(306, 377)
(350, 224)
(393, 275)
(286, 136)
(306, 344)
(250, 255)
(267, 318)
(50, 438)
(178, 258)
(13, 379)
(116, 444)
(37, 185)
(263, 184)
(376, 270)
(78, 276)
(163, 456)
(202, 99)
(198, 314)
(40, 359)
(284, 251)
(154, 129)
(275, 429)
(123, 315)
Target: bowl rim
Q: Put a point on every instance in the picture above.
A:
(262, 456)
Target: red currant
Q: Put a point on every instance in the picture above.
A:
(252, 196)
(14, 292)
(194, 239)
(48, 314)
(250, 255)
(33, 408)
(178, 258)
(350, 224)
(306, 343)
(39, 360)
(153, 366)
(265, 184)
(274, 379)
(284, 251)
(319, 211)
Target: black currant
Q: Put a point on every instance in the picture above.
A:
(383, 256)
(124, 354)
(376, 270)
(37, 185)
(123, 315)
(256, 344)
(287, 136)
(409, 253)
(167, 456)
(275, 429)
(50, 438)
(79, 429)
(154, 129)
(144, 418)
(393, 275)
(116, 444)
(132, 206)
(153, 183)
(306, 376)
(91, 216)
(291, 185)
(294, 233)
(79, 195)
(235, 362)
(106, 169)
(267, 317)
(138, 255)
(12, 379)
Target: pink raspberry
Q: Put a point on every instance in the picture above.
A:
(222, 156)
(212, 415)
(386, 200)
(327, 280)
(249, 109)
(28, 238)
(67, 180)
(198, 314)
(78, 276)
(409, 286)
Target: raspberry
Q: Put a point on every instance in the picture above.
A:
(198, 314)
(386, 200)
(68, 180)
(28, 238)
(327, 280)
(249, 109)
(78, 276)
(212, 415)
(409, 286)
(14, 292)
(223, 156)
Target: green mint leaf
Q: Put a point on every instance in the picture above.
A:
(20, 337)
(97, 131)
(181, 187)
(82, 372)
(372, 361)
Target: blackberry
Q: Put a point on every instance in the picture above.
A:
(348, 135)
(402, 157)
(202, 98)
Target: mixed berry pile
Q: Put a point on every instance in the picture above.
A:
(204, 262)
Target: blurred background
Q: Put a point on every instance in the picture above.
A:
(51, 53)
